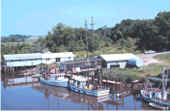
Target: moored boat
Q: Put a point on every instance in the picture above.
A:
(58, 80)
(157, 97)
(81, 85)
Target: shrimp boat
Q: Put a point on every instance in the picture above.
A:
(155, 97)
(58, 80)
(81, 85)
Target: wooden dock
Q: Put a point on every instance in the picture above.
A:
(10, 82)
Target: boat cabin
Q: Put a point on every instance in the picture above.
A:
(81, 82)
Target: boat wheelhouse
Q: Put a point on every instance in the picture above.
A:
(80, 84)
(59, 80)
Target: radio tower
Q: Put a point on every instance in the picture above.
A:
(86, 29)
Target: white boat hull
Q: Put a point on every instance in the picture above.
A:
(158, 106)
(58, 83)
(96, 93)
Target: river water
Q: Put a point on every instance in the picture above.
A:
(37, 96)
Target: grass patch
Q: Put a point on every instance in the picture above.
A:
(153, 69)
(164, 57)
(133, 74)
(121, 74)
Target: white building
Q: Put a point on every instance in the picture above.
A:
(117, 60)
(33, 59)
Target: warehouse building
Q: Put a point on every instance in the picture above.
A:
(120, 60)
(33, 59)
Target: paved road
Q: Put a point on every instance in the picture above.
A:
(155, 54)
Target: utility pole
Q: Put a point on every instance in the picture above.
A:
(104, 30)
(86, 31)
(92, 25)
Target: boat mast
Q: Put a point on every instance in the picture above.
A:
(164, 83)
(87, 48)
(86, 30)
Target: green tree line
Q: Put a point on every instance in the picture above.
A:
(149, 34)
(133, 34)
(130, 35)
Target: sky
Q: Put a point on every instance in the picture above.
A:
(37, 17)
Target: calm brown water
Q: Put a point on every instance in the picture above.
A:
(39, 96)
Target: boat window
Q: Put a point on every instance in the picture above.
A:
(57, 59)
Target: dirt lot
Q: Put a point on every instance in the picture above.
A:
(149, 58)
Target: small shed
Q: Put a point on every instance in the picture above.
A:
(138, 62)
(119, 60)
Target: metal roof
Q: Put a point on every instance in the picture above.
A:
(37, 55)
(23, 63)
(117, 57)
(22, 56)
(58, 55)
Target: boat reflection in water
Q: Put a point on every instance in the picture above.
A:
(87, 102)
(38, 96)
(63, 93)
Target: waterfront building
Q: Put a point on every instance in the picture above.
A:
(80, 65)
(120, 60)
(33, 59)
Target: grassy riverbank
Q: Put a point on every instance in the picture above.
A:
(132, 74)
(121, 74)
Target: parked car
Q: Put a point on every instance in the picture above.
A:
(149, 52)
